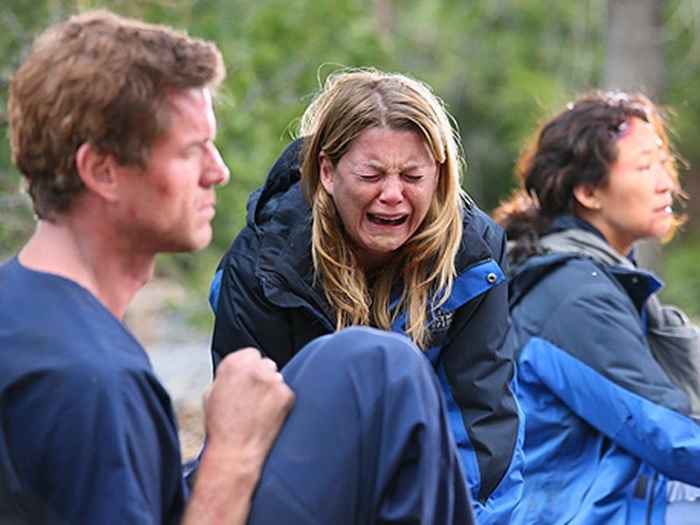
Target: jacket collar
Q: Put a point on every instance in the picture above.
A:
(571, 222)
(571, 237)
(281, 219)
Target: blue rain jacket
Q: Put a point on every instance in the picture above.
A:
(605, 426)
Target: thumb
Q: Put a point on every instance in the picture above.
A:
(206, 395)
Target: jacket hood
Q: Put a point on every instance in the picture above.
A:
(265, 202)
(531, 272)
(575, 242)
(280, 218)
(280, 215)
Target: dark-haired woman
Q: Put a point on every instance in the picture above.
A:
(609, 409)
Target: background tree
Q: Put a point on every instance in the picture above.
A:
(500, 66)
(635, 62)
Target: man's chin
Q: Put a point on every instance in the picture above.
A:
(199, 245)
(189, 245)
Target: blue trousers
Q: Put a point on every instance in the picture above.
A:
(366, 442)
(683, 513)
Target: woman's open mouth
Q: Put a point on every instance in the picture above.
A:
(387, 220)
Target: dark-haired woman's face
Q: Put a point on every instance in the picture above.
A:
(635, 203)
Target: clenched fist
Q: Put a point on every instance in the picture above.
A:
(244, 408)
(246, 405)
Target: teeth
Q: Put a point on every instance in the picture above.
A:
(387, 220)
(668, 209)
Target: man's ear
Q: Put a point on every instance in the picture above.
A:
(97, 171)
(326, 173)
(586, 196)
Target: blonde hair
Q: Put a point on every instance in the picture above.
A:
(349, 103)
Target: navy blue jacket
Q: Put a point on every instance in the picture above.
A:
(264, 296)
(605, 426)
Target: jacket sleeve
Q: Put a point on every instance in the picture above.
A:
(103, 450)
(593, 355)
(244, 317)
(479, 370)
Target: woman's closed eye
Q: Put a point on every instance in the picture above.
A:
(369, 177)
(412, 177)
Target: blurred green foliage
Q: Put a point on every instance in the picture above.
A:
(683, 279)
(501, 66)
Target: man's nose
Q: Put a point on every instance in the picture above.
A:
(216, 172)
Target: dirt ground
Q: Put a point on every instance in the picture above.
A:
(191, 426)
(179, 354)
(185, 370)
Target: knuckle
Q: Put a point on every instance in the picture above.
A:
(249, 351)
(229, 361)
(286, 393)
(243, 358)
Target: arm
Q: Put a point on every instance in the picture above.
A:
(244, 317)
(245, 409)
(94, 446)
(593, 355)
(262, 310)
(479, 369)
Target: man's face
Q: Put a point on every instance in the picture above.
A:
(169, 204)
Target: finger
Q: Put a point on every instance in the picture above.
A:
(269, 363)
(246, 354)
(206, 394)
(249, 350)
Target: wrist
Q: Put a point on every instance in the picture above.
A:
(224, 486)
(243, 466)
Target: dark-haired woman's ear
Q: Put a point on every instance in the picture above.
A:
(586, 196)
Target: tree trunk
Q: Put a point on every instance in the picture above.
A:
(635, 55)
(635, 62)
(384, 20)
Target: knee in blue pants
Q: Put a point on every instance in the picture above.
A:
(367, 440)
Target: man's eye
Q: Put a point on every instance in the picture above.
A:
(190, 152)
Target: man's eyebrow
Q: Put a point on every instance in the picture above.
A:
(198, 142)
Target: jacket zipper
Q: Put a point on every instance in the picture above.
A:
(650, 503)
